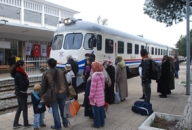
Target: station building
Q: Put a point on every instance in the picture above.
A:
(26, 25)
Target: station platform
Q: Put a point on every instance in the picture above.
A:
(119, 116)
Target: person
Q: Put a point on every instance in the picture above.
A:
(21, 86)
(177, 68)
(38, 109)
(140, 73)
(61, 91)
(86, 57)
(75, 69)
(171, 75)
(145, 76)
(96, 96)
(163, 82)
(121, 78)
(87, 69)
(109, 90)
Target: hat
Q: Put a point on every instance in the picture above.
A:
(109, 62)
(37, 86)
(68, 67)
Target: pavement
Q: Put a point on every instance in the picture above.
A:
(119, 116)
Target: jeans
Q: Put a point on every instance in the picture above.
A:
(99, 115)
(147, 91)
(176, 74)
(22, 106)
(60, 103)
(38, 119)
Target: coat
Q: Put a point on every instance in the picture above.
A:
(60, 85)
(121, 80)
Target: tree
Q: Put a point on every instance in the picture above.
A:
(181, 45)
(166, 11)
(102, 21)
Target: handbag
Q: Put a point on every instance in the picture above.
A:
(49, 95)
(72, 92)
(71, 108)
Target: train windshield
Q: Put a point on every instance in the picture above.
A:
(73, 41)
(57, 42)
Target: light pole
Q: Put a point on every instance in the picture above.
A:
(188, 50)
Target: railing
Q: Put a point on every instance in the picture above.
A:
(12, 2)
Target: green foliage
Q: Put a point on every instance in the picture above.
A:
(166, 11)
(102, 21)
(181, 45)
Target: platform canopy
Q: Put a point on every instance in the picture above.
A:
(25, 32)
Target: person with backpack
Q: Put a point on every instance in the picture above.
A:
(146, 77)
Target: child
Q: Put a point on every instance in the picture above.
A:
(38, 108)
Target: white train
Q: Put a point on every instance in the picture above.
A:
(77, 37)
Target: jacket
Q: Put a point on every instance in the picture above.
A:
(60, 85)
(146, 69)
(74, 66)
(35, 103)
(96, 96)
(21, 84)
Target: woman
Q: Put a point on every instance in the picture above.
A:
(121, 78)
(60, 88)
(176, 63)
(96, 96)
(171, 75)
(21, 87)
(109, 90)
(163, 82)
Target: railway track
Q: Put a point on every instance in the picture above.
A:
(31, 85)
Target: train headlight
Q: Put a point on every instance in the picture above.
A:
(67, 21)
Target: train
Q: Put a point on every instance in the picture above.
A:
(77, 37)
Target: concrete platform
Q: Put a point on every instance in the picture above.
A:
(119, 116)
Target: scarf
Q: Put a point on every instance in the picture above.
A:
(18, 69)
(38, 98)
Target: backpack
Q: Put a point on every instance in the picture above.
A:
(128, 70)
(142, 108)
(71, 108)
(155, 72)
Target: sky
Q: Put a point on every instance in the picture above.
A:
(127, 16)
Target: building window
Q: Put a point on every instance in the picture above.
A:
(129, 48)
(136, 49)
(120, 47)
(108, 46)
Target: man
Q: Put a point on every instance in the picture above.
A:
(75, 69)
(146, 80)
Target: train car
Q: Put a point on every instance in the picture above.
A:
(75, 37)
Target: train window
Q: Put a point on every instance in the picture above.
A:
(136, 49)
(142, 47)
(161, 52)
(158, 51)
(120, 47)
(86, 39)
(99, 42)
(152, 51)
(155, 51)
(129, 48)
(73, 41)
(57, 42)
(108, 46)
(148, 50)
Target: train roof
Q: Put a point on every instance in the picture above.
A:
(94, 27)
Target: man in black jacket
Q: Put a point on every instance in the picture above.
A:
(75, 69)
(146, 69)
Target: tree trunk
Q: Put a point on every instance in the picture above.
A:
(185, 123)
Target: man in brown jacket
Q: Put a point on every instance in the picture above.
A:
(60, 87)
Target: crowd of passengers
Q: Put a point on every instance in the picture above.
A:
(98, 94)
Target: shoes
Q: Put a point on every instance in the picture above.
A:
(92, 125)
(163, 96)
(36, 128)
(160, 95)
(52, 127)
(17, 126)
(28, 125)
(141, 97)
(42, 125)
